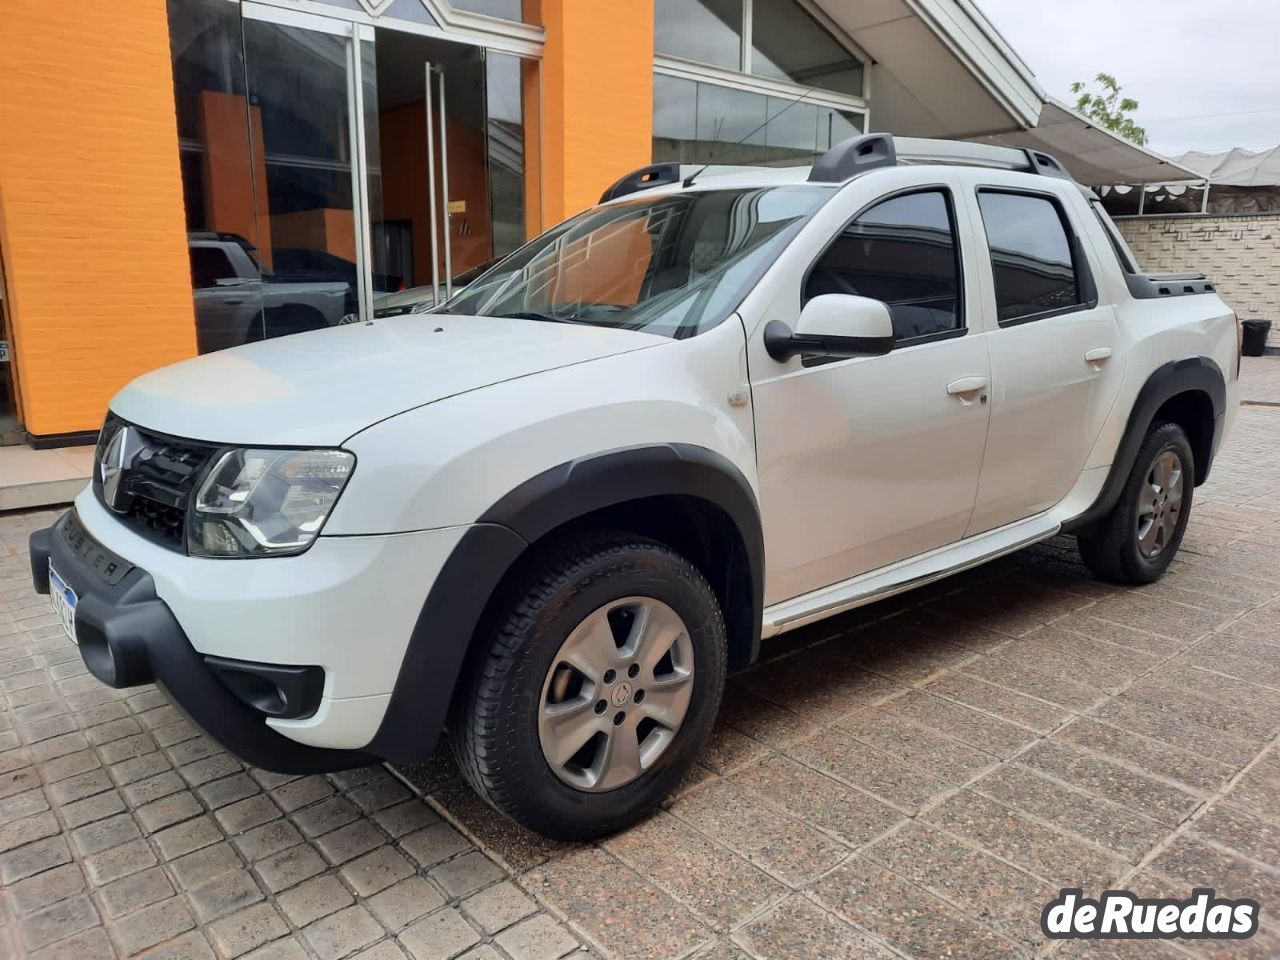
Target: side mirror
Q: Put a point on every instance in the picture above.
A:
(834, 325)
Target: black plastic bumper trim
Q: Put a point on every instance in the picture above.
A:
(129, 636)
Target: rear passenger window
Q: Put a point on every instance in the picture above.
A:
(902, 251)
(1031, 255)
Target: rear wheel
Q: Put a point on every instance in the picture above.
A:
(1138, 539)
(603, 675)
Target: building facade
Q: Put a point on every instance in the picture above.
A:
(182, 177)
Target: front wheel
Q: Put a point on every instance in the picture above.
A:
(602, 678)
(1137, 540)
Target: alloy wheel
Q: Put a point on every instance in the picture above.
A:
(1160, 504)
(616, 694)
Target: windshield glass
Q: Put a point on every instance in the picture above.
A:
(673, 265)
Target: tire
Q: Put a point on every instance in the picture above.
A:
(1114, 549)
(503, 726)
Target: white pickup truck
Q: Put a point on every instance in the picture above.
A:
(553, 514)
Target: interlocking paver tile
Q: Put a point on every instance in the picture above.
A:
(1107, 825)
(615, 905)
(498, 906)
(48, 887)
(342, 933)
(314, 899)
(59, 920)
(538, 938)
(904, 915)
(799, 930)
(406, 901)
(1019, 839)
(787, 847)
(379, 869)
(289, 867)
(711, 880)
(439, 936)
(241, 932)
(134, 892)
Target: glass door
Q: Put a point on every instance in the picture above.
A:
(308, 79)
(446, 161)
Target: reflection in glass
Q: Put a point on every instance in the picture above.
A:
(729, 125)
(671, 265)
(789, 44)
(224, 217)
(506, 141)
(1030, 254)
(675, 119)
(902, 252)
(709, 31)
(703, 123)
(298, 82)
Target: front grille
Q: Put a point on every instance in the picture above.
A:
(157, 477)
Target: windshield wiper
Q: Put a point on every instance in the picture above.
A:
(541, 317)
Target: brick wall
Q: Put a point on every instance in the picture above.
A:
(91, 219)
(1241, 255)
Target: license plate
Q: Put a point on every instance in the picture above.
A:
(63, 600)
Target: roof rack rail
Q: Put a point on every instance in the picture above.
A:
(868, 151)
(654, 175)
(871, 150)
(853, 156)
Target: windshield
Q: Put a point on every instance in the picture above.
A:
(673, 265)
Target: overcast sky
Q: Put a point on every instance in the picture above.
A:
(1205, 73)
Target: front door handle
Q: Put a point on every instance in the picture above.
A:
(1098, 355)
(966, 385)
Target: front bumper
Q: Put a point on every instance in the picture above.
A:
(129, 636)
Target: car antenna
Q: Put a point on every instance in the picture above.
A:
(697, 173)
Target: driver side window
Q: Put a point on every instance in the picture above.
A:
(904, 252)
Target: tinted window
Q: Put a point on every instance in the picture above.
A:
(1030, 255)
(902, 251)
(208, 266)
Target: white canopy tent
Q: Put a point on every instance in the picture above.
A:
(1235, 168)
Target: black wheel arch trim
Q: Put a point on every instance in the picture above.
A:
(441, 637)
(1168, 381)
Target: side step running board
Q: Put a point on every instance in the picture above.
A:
(906, 574)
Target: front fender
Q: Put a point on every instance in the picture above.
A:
(456, 602)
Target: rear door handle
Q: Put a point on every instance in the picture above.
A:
(966, 385)
(1098, 355)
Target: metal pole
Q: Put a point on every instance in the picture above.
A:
(360, 171)
(444, 189)
(431, 195)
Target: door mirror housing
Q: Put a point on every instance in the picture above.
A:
(834, 325)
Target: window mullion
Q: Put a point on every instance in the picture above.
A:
(746, 36)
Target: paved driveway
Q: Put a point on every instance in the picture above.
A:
(914, 780)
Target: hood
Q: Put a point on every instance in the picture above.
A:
(317, 389)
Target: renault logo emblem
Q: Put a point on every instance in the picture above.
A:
(116, 458)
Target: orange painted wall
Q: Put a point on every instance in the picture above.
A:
(597, 98)
(91, 217)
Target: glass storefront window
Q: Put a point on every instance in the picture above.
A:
(730, 125)
(708, 31)
(704, 123)
(789, 44)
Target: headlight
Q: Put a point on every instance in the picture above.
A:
(258, 503)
